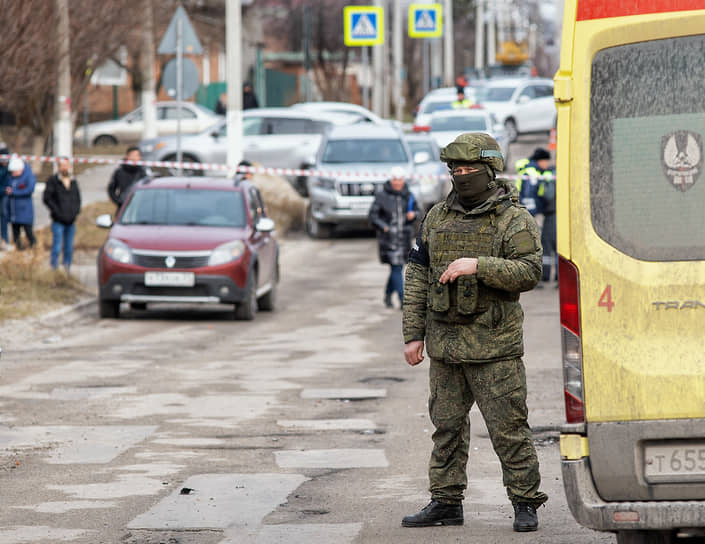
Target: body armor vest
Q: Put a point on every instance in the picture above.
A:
(454, 235)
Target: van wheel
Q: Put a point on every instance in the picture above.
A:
(247, 309)
(109, 309)
(510, 127)
(316, 229)
(645, 537)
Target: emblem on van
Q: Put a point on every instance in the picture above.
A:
(682, 158)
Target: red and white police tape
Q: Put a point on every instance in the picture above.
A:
(249, 169)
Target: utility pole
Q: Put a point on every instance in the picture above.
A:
(308, 90)
(149, 107)
(480, 35)
(491, 36)
(397, 55)
(233, 53)
(378, 69)
(449, 53)
(63, 133)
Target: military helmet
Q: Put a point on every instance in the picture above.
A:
(474, 147)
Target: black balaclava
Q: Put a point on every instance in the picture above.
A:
(475, 188)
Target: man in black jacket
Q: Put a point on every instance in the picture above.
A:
(125, 176)
(63, 198)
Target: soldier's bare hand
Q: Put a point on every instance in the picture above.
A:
(413, 352)
(467, 266)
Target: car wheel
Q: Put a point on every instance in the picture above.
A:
(187, 172)
(267, 301)
(247, 309)
(109, 309)
(105, 139)
(316, 229)
(510, 127)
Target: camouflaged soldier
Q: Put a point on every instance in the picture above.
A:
(474, 254)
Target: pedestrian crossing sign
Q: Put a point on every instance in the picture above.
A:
(363, 25)
(425, 20)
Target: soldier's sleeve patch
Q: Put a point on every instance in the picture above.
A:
(523, 242)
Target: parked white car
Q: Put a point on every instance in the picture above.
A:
(129, 128)
(521, 105)
(442, 99)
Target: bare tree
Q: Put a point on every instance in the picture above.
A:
(30, 55)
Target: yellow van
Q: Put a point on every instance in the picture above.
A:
(630, 95)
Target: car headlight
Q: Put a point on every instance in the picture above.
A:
(324, 183)
(118, 251)
(226, 253)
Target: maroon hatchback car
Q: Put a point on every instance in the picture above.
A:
(189, 240)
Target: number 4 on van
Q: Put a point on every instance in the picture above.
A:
(606, 299)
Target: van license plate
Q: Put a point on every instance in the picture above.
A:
(674, 462)
(169, 279)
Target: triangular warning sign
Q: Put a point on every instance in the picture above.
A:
(191, 45)
(425, 21)
(364, 28)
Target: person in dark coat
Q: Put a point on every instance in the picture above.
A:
(221, 107)
(249, 100)
(63, 198)
(125, 176)
(19, 191)
(393, 214)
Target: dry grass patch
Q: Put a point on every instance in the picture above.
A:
(284, 205)
(28, 285)
(88, 235)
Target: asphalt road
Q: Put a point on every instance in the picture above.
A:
(179, 425)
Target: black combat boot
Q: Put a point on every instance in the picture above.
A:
(436, 513)
(525, 518)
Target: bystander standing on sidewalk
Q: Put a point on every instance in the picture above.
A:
(63, 198)
(19, 191)
(4, 212)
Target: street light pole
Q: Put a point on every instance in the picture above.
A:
(397, 53)
(233, 54)
(149, 107)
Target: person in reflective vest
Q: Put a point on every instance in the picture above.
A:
(461, 102)
(530, 172)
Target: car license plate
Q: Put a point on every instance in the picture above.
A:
(674, 462)
(360, 204)
(171, 279)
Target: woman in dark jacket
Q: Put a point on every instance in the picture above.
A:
(63, 199)
(393, 214)
(20, 187)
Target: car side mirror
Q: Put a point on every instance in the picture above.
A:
(265, 224)
(215, 134)
(104, 221)
(421, 157)
(523, 99)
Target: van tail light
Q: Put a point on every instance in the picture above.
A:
(421, 128)
(571, 342)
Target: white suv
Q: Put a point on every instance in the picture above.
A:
(521, 105)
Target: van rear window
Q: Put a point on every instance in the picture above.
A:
(647, 127)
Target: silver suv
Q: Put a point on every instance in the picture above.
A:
(352, 165)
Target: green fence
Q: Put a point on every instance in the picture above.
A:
(281, 89)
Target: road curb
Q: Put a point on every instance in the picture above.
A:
(73, 308)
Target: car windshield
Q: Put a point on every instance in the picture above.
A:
(341, 151)
(465, 123)
(430, 107)
(419, 146)
(498, 94)
(199, 207)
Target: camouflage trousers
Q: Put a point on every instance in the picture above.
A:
(500, 392)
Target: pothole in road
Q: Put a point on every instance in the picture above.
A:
(383, 379)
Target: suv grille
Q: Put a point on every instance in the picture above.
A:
(159, 261)
(358, 188)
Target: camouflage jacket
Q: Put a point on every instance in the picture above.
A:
(477, 318)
